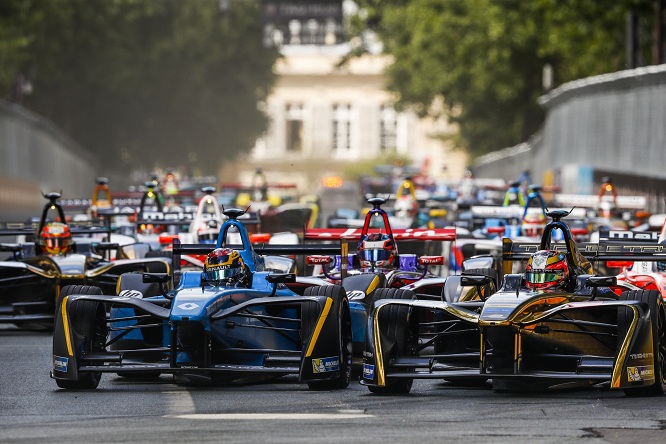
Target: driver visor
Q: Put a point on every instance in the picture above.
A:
(376, 255)
(543, 276)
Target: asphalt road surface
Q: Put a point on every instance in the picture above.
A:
(33, 409)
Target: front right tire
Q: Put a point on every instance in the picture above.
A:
(339, 296)
(655, 301)
(396, 329)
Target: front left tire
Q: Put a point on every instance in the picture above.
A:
(88, 324)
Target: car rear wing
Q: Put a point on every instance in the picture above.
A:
(592, 201)
(29, 229)
(184, 218)
(602, 251)
(447, 234)
(164, 218)
(517, 212)
(261, 249)
(627, 236)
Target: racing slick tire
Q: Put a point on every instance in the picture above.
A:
(88, 322)
(339, 296)
(658, 322)
(396, 327)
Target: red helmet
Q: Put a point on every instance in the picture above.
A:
(55, 239)
(546, 269)
(224, 266)
(377, 251)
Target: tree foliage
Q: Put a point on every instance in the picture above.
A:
(142, 82)
(485, 58)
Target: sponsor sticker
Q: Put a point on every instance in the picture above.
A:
(355, 294)
(641, 373)
(368, 371)
(188, 306)
(324, 365)
(60, 363)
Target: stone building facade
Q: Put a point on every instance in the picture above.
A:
(324, 117)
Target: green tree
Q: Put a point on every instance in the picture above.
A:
(146, 83)
(484, 58)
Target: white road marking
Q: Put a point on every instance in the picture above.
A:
(280, 416)
(180, 401)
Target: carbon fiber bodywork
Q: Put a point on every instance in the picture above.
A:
(597, 331)
(208, 331)
(274, 325)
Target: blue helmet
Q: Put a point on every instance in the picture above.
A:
(377, 251)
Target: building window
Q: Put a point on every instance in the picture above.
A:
(294, 130)
(388, 128)
(342, 127)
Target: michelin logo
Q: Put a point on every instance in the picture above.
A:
(368, 371)
(60, 363)
(324, 365)
(641, 373)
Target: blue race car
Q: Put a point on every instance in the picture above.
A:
(235, 320)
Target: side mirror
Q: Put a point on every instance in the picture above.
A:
(601, 281)
(279, 278)
(14, 248)
(469, 280)
(105, 246)
(477, 281)
(159, 278)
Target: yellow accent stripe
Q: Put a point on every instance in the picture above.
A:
(65, 326)
(373, 284)
(624, 350)
(320, 324)
(379, 358)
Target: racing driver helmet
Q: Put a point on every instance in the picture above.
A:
(55, 239)
(377, 251)
(533, 224)
(546, 269)
(224, 266)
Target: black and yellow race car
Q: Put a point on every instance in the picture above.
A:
(527, 335)
(51, 254)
